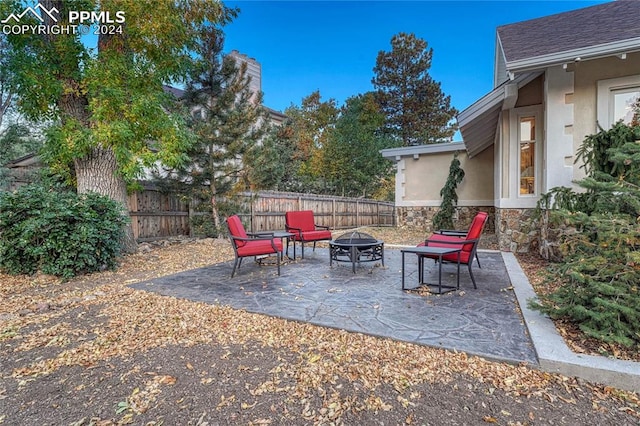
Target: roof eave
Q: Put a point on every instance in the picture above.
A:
(481, 105)
(478, 123)
(410, 151)
(582, 54)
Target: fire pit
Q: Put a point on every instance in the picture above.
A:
(356, 247)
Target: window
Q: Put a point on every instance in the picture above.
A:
(624, 102)
(527, 142)
(616, 100)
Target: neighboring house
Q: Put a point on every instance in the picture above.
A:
(254, 71)
(556, 79)
(21, 171)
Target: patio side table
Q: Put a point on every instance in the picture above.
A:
(278, 234)
(434, 251)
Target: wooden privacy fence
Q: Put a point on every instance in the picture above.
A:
(265, 210)
(157, 215)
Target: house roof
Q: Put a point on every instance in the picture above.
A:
(24, 161)
(479, 122)
(527, 48)
(177, 93)
(587, 33)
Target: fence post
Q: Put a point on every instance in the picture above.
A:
(190, 215)
(253, 213)
(333, 213)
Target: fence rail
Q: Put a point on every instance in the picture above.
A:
(157, 215)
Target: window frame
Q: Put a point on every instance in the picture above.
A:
(535, 112)
(605, 97)
(532, 143)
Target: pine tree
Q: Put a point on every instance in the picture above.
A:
(226, 118)
(417, 111)
(444, 218)
(271, 164)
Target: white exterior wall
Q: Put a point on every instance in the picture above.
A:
(558, 157)
(254, 71)
(587, 76)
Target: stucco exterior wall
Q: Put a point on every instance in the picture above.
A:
(565, 103)
(424, 177)
(507, 149)
(586, 77)
(559, 154)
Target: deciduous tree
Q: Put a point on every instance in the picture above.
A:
(311, 125)
(108, 100)
(416, 109)
(351, 156)
(7, 94)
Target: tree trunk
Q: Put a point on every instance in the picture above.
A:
(97, 172)
(215, 214)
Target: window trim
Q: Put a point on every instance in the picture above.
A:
(535, 111)
(604, 99)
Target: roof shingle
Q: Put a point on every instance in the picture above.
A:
(590, 26)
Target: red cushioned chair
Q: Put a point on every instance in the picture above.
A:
(467, 241)
(304, 229)
(246, 245)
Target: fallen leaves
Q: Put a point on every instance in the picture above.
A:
(98, 318)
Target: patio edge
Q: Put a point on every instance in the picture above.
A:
(554, 355)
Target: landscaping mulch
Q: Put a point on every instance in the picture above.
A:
(93, 351)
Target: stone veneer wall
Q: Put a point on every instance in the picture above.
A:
(514, 230)
(511, 227)
(422, 217)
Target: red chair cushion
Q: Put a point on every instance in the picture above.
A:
(236, 229)
(464, 254)
(476, 226)
(449, 238)
(302, 220)
(453, 257)
(452, 241)
(314, 236)
(258, 247)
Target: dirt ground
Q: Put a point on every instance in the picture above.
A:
(93, 351)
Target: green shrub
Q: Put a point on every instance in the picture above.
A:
(58, 232)
(599, 273)
(598, 233)
(444, 218)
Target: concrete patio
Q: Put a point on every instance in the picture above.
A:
(492, 322)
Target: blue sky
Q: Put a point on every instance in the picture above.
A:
(331, 46)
